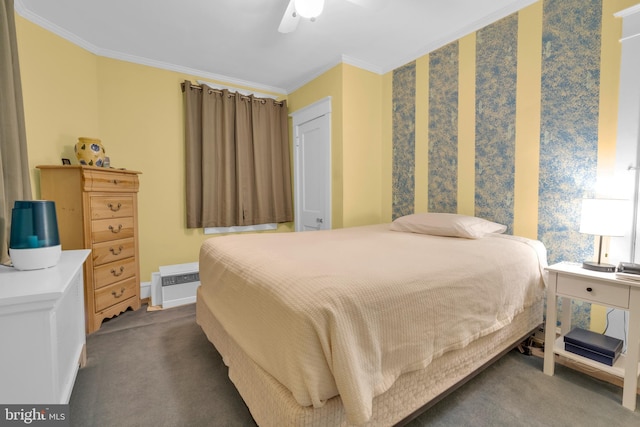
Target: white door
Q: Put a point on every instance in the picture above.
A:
(312, 129)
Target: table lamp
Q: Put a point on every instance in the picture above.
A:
(603, 217)
(34, 241)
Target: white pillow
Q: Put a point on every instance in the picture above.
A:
(445, 224)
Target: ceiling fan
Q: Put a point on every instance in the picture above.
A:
(309, 9)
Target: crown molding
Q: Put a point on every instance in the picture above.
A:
(628, 11)
(630, 22)
(50, 26)
(362, 64)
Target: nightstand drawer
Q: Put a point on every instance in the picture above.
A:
(593, 290)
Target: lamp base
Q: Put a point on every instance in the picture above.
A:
(595, 266)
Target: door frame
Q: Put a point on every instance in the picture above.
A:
(300, 117)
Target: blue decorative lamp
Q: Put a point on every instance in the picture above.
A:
(34, 242)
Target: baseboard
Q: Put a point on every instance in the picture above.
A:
(178, 302)
(145, 290)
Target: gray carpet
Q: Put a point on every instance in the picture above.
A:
(158, 369)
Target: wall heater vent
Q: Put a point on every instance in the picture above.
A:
(175, 285)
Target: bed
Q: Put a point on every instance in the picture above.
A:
(366, 325)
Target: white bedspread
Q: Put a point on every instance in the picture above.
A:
(347, 311)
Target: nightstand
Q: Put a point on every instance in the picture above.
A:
(570, 281)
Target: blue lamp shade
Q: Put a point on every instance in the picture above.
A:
(34, 242)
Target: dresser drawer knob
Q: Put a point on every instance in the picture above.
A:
(115, 181)
(116, 273)
(115, 295)
(113, 230)
(113, 251)
(589, 289)
(114, 208)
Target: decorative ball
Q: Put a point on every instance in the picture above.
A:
(90, 152)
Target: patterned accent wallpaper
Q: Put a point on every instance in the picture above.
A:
(570, 83)
(404, 136)
(569, 129)
(496, 76)
(443, 129)
(569, 123)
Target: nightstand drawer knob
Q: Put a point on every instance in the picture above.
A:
(589, 289)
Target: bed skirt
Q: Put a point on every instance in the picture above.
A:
(271, 404)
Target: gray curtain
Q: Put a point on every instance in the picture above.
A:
(237, 159)
(14, 165)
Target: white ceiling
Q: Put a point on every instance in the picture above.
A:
(237, 41)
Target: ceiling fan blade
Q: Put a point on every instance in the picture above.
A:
(289, 19)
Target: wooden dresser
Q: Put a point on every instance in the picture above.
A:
(97, 209)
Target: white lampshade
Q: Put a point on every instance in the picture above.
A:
(604, 217)
(309, 8)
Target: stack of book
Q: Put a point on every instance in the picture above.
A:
(594, 346)
(628, 271)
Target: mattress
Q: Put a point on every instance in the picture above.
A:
(347, 312)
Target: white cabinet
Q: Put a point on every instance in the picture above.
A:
(42, 331)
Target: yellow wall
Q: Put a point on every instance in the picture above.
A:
(142, 129)
(467, 125)
(361, 112)
(528, 98)
(60, 89)
(361, 146)
(137, 112)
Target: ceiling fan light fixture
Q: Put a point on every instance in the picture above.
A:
(309, 8)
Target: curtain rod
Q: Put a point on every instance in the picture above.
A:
(220, 91)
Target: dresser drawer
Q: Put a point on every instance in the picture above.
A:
(114, 250)
(104, 230)
(593, 290)
(115, 293)
(107, 274)
(97, 180)
(116, 206)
